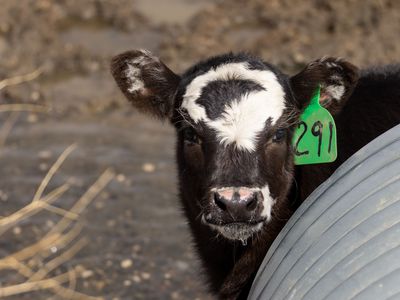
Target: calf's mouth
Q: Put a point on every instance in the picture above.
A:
(236, 231)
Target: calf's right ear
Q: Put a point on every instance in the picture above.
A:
(336, 77)
(147, 83)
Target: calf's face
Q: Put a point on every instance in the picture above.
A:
(234, 116)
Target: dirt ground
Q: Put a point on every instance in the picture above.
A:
(139, 246)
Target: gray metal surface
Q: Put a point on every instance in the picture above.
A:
(344, 240)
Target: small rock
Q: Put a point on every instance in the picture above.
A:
(121, 178)
(126, 263)
(298, 57)
(182, 265)
(87, 274)
(79, 268)
(35, 95)
(148, 167)
(17, 230)
(45, 154)
(146, 276)
(3, 196)
(127, 282)
(136, 279)
(32, 118)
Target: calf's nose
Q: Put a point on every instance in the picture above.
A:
(238, 203)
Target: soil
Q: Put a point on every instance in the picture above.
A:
(139, 244)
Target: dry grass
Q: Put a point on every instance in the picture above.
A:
(15, 108)
(21, 78)
(37, 263)
(18, 80)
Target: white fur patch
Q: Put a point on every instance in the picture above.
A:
(195, 111)
(244, 118)
(134, 74)
(268, 202)
(336, 91)
(332, 65)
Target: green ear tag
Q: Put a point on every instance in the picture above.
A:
(314, 139)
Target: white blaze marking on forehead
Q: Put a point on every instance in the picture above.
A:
(268, 202)
(243, 119)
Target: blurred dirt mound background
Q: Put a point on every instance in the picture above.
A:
(138, 238)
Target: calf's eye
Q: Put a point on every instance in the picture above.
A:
(190, 136)
(279, 135)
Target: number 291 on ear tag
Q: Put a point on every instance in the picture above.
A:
(314, 139)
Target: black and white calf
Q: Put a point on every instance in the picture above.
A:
(235, 116)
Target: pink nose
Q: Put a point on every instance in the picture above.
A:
(239, 193)
(239, 203)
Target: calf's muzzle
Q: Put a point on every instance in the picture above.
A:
(238, 204)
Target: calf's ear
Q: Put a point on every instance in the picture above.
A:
(147, 83)
(336, 77)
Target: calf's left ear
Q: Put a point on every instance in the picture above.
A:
(336, 77)
(147, 83)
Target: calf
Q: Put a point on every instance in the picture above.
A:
(234, 116)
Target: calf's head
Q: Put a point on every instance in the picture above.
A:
(234, 116)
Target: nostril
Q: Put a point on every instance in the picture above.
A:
(252, 202)
(218, 201)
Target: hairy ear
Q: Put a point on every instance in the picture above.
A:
(336, 77)
(147, 83)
